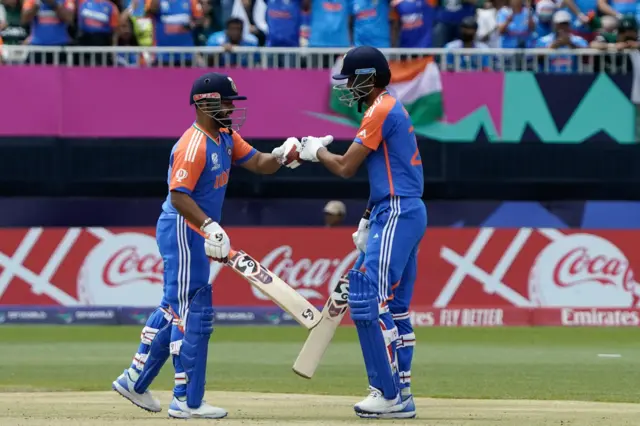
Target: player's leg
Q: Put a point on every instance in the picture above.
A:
(153, 350)
(152, 353)
(399, 307)
(191, 305)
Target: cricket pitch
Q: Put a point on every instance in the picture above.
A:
(110, 409)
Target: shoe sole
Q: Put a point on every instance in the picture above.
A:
(181, 415)
(126, 395)
(391, 415)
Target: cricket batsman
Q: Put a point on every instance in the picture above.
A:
(188, 234)
(389, 233)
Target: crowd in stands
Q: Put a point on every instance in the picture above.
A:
(517, 24)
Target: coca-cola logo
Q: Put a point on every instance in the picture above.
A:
(122, 270)
(127, 266)
(312, 278)
(579, 266)
(582, 270)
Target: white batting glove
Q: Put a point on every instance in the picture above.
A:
(310, 146)
(361, 236)
(287, 154)
(216, 243)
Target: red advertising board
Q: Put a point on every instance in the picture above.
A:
(466, 276)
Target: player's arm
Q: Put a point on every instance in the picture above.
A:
(29, 11)
(188, 164)
(345, 165)
(247, 157)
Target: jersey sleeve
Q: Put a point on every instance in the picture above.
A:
(189, 159)
(370, 133)
(115, 17)
(28, 4)
(242, 151)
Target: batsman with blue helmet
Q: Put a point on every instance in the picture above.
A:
(389, 233)
(189, 235)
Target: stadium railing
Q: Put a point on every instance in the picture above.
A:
(539, 60)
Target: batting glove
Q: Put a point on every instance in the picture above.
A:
(216, 243)
(287, 154)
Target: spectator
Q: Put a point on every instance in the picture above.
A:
(49, 21)
(515, 25)
(127, 37)
(233, 36)
(208, 26)
(98, 21)
(173, 25)
(544, 14)
(464, 62)
(450, 15)
(1, 51)
(626, 37)
(618, 8)
(255, 20)
(330, 23)
(12, 31)
(488, 25)
(413, 22)
(607, 36)
(334, 213)
(305, 25)
(371, 26)
(583, 13)
(284, 18)
(561, 39)
(3, 17)
(142, 24)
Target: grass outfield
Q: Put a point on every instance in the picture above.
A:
(498, 363)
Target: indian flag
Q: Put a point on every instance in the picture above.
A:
(415, 82)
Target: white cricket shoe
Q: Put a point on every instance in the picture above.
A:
(375, 406)
(124, 386)
(179, 410)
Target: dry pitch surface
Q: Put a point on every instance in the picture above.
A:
(108, 408)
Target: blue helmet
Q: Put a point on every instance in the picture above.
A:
(213, 94)
(365, 68)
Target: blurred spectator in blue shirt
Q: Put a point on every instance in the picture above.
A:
(544, 14)
(50, 21)
(561, 39)
(173, 22)
(413, 22)
(450, 15)
(515, 24)
(467, 62)
(371, 23)
(284, 19)
(98, 21)
(330, 23)
(233, 36)
(618, 8)
(305, 25)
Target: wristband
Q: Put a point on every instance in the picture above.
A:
(206, 222)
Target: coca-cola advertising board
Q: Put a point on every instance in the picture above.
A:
(466, 276)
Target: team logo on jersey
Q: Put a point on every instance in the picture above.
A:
(233, 85)
(181, 175)
(214, 161)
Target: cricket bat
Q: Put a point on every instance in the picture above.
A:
(319, 338)
(269, 284)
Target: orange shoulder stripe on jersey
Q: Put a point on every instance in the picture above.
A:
(189, 159)
(370, 132)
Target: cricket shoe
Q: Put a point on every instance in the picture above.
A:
(375, 406)
(180, 410)
(125, 387)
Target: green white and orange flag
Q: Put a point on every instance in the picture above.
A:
(416, 83)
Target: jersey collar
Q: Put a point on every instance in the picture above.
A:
(216, 140)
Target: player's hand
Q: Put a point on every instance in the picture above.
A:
(216, 243)
(288, 153)
(361, 236)
(310, 146)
